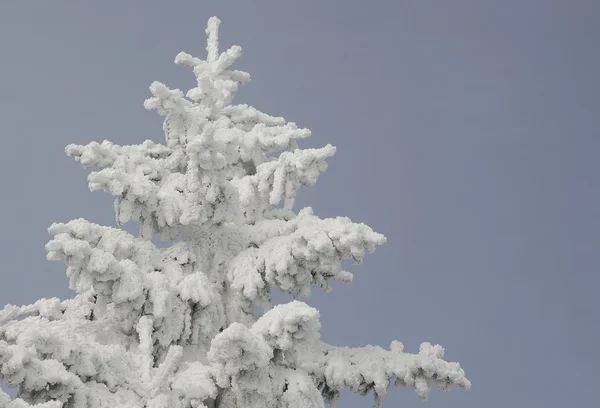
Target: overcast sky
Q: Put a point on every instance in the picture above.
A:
(467, 133)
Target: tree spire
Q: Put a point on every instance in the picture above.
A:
(212, 39)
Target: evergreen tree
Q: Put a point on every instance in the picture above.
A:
(193, 325)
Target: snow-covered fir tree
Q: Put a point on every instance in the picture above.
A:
(193, 325)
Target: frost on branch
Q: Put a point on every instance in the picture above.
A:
(181, 327)
(371, 368)
(309, 252)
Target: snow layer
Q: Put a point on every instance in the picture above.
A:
(179, 327)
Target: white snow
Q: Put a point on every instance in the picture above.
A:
(177, 327)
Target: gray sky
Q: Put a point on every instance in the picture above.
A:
(467, 133)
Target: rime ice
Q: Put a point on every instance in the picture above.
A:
(178, 327)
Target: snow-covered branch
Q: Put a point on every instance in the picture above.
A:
(372, 368)
(311, 254)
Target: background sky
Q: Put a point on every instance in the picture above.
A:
(467, 133)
